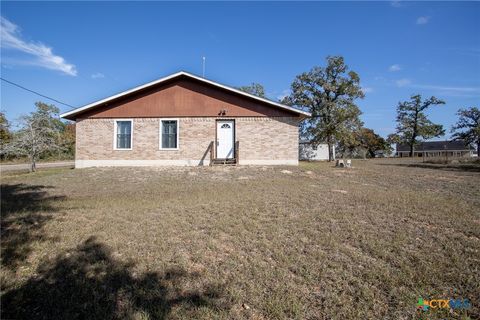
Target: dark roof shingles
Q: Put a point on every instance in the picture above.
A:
(456, 145)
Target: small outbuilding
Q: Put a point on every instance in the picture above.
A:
(309, 151)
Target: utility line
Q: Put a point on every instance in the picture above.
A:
(41, 95)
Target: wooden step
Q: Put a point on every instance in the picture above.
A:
(231, 162)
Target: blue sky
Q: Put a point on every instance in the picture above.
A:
(81, 52)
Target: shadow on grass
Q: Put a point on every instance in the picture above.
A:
(25, 210)
(446, 167)
(89, 283)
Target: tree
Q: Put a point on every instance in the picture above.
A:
(363, 142)
(468, 127)
(348, 137)
(255, 88)
(412, 122)
(329, 94)
(67, 139)
(38, 133)
(372, 142)
(5, 134)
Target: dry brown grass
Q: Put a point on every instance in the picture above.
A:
(310, 242)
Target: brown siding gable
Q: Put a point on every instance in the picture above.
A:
(184, 96)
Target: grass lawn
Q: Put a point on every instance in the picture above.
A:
(307, 242)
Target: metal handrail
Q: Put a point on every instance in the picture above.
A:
(237, 151)
(212, 156)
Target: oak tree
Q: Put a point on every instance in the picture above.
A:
(468, 127)
(255, 88)
(5, 133)
(373, 142)
(329, 94)
(413, 123)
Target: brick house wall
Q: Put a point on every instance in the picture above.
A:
(262, 140)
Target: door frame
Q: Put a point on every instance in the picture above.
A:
(234, 135)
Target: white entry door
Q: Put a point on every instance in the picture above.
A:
(225, 139)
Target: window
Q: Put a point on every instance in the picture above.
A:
(123, 135)
(225, 126)
(169, 134)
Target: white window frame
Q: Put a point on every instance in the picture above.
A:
(115, 135)
(160, 132)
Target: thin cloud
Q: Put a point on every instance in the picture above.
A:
(367, 89)
(394, 67)
(403, 82)
(43, 55)
(285, 93)
(423, 20)
(451, 91)
(97, 75)
(448, 88)
(396, 4)
(475, 52)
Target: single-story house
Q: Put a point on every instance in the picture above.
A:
(187, 120)
(310, 151)
(456, 148)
